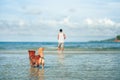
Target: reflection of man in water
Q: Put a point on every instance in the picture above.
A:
(36, 74)
(61, 58)
(61, 38)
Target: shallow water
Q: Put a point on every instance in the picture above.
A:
(83, 66)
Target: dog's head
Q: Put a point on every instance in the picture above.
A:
(40, 50)
(31, 53)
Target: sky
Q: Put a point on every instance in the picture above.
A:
(40, 20)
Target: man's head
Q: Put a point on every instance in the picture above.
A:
(60, 30)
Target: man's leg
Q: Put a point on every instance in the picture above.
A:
(62, 47)
(59, 46)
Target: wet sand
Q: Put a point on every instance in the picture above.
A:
(62, 66)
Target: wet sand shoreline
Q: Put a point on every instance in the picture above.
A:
(55, 52)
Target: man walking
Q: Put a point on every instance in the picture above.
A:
(61, 38)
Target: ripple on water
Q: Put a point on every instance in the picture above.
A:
(61, 67)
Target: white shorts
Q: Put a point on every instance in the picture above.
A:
(60, 45)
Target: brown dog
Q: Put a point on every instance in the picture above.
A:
(36, 60)
(41, 54)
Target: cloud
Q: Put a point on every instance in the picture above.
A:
(53, 23)
(102, 27)
(114, 5)
(66, 20)
(106, 22)
(36, 17)
(89, 21)
(22, 23)
(32, 10)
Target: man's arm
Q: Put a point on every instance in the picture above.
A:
(58, 36)
(64, 36)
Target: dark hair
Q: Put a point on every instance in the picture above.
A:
(60, 30)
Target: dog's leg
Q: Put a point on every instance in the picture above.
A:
(43, 63)
(37, 62)
(31, 62)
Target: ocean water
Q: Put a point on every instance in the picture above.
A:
(80, 65)
(61, 67)
(53, 45)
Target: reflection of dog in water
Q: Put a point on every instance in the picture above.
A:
(37, 60)
(36, 74)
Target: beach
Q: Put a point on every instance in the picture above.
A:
(33, 31)
(61, 66)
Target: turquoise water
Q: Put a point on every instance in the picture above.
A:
(80, 61)
(53, 45)
(82, 66)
